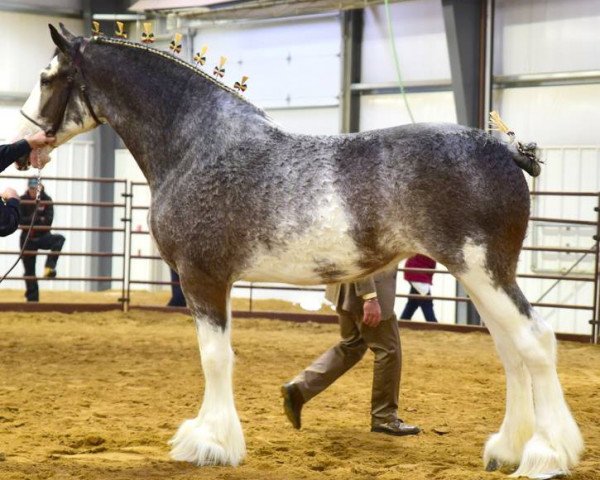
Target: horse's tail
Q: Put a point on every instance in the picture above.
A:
(525, 155)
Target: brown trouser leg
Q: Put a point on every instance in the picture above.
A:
(383, 340)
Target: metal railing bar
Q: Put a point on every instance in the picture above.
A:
(555, 249)
(75, 279)
(563, 221)
(70, 179)
(565, 194)
(533, 192)
(28, 253)
(589, 278)
(532, 249)
(74, 204)
(72, 229)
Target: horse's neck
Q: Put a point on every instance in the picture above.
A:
(162, 112)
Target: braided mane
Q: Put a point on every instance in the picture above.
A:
(173, 58)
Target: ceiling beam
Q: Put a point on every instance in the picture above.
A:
(252, 9)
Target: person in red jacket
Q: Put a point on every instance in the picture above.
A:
(420, 284)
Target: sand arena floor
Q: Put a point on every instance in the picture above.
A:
(97, 396)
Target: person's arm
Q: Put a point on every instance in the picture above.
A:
(365, 289)
(9, 216)
(11, 152)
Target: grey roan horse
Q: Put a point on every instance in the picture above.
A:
(236, 197)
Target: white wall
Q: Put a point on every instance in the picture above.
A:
(26, 48)
(540, 36)
(420, 39)
(290, 63)
(536, 36)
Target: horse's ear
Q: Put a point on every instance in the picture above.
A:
(68, 35)
(61, 42)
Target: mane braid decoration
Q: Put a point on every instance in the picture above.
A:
(173, 58)
(147, 34)
(120, 31)
(175, 44)
(96, 29)
(200, 57)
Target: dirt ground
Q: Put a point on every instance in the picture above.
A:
(97, 396)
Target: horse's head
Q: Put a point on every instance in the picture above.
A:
(59, 103)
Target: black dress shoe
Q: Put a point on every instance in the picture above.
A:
(292, 403)
(397, 427)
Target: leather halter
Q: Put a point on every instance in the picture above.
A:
(71, 84)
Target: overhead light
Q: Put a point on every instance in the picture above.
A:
(123, 17)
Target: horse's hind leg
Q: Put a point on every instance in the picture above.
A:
(538, 432)
(506, 446)
(215, 436)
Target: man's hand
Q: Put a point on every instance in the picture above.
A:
(371, 312)
(10, 193)
(39, 140)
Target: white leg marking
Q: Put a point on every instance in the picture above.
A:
(215, 436)
(528, 350)
(557, 444)
(506, 446)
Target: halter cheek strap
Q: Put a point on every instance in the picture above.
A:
(78, 63)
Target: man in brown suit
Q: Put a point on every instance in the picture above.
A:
(361, 306)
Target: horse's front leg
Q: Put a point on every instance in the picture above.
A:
(215, 436)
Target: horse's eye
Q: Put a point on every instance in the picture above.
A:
(45, 82)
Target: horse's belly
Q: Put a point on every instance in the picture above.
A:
(322, 253)
(303, 264)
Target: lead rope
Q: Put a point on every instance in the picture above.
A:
(37, 202)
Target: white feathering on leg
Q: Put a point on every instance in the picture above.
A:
(556, 443)
(215, 436)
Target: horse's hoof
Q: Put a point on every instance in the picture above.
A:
(205, 443)
(548, 475)
(492, 465)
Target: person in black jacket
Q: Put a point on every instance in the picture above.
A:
(9, 206)
(39, 239)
